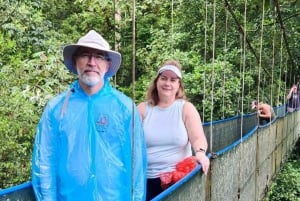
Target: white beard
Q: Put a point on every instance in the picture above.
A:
(90, 80)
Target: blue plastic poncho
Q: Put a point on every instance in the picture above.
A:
(83, 148)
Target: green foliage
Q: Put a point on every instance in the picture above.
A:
(286, 186)
(220, 78)
(29, 85)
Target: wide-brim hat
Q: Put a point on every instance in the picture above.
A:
(92, 40)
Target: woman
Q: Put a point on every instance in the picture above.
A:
(172, 126)
(293, 99)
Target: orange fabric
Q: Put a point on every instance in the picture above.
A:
(182, 168)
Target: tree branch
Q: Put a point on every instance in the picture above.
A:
(278, 15)
(241, 30)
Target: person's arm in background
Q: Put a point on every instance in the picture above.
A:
(196, 134)
(290, 93)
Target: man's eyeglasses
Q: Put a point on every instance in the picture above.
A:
(98, 57)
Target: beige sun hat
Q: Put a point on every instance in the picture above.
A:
(92, 40)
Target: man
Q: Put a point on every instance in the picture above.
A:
(264, 111)
(89, 144)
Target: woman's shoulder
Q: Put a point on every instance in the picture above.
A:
(188, 104)
(142, 108)
(142, 105)
(189, 108)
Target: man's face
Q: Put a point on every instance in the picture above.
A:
(91, 66)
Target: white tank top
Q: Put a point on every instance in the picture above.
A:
(166, 138)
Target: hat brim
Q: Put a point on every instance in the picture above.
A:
(172, 68)
(115, 59)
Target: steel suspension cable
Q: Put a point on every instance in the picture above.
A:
(213, 75)
(204, 75)
(243, 64)
(258, 89)
(240, 74)
(260, 50)
(273, 57)
(285, 72)
(225, 60)
(114, 5)
(172, 27)
(133, 97)
(280, 72)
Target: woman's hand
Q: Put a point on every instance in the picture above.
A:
(203, 160)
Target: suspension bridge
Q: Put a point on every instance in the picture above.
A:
(244, 159)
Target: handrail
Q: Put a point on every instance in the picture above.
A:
(285, 127)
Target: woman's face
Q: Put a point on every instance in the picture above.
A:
(168, 84)
(295, 88)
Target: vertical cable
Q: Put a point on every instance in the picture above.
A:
(280, 63)
(273, 57)
(260, 50)
(205, 49)
(213, 75)
(172, 28)
(243, 61)
(224, 66)
(243, 65)
(258, 94)
(115, 38)
(205, 32)
(133, 98)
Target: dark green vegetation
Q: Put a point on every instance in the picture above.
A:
(286, 186)
(230, 55)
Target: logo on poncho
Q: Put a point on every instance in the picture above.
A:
(102, 123)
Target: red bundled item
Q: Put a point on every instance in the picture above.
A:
(165, 180)
(182, 168)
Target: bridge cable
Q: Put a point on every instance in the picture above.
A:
(225, 63)
(280, 72)
(172, 28)
(213, 74)
(243, 66)
(273, 58)
(258, 92)
(133, 96)
(260, 51)
(205, 55)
